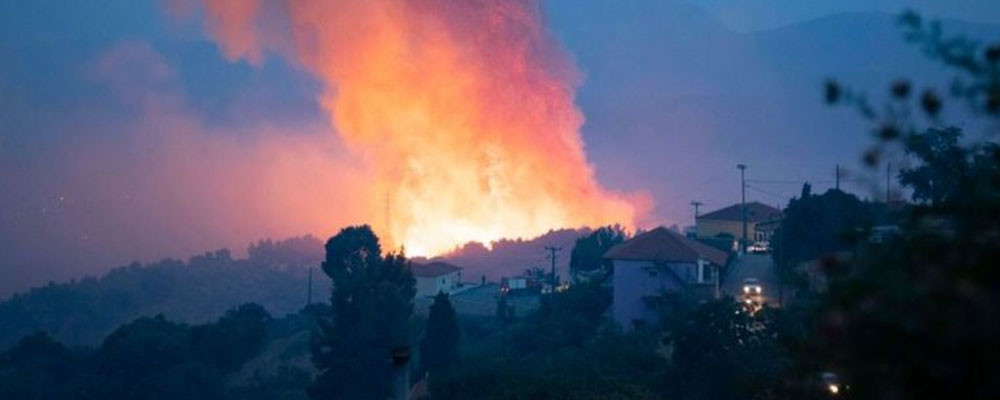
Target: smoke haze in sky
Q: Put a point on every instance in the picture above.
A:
(127, 132)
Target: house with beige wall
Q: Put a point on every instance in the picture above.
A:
(762, 220)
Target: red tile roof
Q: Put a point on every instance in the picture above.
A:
(433, 270)
(662, 244)
(756, 212)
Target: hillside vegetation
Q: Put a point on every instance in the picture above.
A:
(83, 312)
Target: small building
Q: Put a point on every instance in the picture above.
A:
(762, 221)
(436, 277)
(656, 263)
(514, 283)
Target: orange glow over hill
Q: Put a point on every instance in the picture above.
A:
(462, 110)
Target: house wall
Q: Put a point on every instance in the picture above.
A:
(711, 228)
(634, 280)
(431, 286)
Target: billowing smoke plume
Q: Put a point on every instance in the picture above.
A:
(462, 110)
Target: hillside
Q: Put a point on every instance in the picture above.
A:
(274, 275)
(82, 312)
(509, 257)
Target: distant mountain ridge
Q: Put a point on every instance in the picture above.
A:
(676, 86)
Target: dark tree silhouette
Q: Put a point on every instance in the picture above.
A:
(372, 301)
(588, 251)
(143, 348)
(948, 171)
(229, 342)
(915, 317)
(817, 225)
(720, 351)
(38, 367)
(439, 348)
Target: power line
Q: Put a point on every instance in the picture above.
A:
(799, 182)
(768, 193)
(779, 181)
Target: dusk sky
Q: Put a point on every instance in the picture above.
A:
(137, 130)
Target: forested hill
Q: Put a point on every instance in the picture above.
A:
(274, 275)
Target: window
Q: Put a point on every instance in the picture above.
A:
(705, 272)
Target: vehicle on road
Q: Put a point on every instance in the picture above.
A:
(753, 294)
(759, 248)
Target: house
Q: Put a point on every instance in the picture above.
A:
(514, 284)
(660, 262)
(762, 221)
(436, 277)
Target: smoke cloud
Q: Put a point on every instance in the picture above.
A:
(462, 112)
(161, 181)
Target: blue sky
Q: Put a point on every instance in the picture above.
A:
(675, 94)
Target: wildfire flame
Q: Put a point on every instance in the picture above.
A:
(463, 110)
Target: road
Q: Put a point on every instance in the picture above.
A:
(759, 266)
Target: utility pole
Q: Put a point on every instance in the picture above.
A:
(552, 250)
(781, 263)
(696, 205)
(743, 205)
(309, 291)
(838, 177)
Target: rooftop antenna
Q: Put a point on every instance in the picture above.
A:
(838, 177)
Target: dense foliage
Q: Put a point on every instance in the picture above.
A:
(588, 251)
(915, 317)
(439, 347)
(721, 351)
(566, 349)
(149, 358)
(83, 312)
(372, 301)
(818, 225)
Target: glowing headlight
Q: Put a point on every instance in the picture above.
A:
(833, 388)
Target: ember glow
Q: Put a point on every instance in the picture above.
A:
(462, 110)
